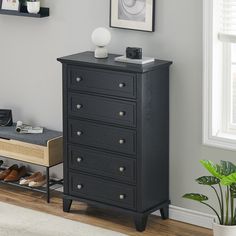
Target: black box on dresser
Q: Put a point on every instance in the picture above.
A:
(116, 135)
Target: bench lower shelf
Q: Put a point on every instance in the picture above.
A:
(45, 189)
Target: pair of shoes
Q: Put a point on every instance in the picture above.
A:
(35, 180)
(13, 173)
(39, 182)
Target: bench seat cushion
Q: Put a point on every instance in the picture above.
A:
(37, 139)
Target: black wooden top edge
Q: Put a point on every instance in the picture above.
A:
(87, 59)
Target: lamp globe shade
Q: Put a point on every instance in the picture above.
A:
(101, 37)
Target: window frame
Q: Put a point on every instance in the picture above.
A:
(215, 132)
(228, 125)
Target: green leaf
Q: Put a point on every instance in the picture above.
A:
(233, 187)
(196, 197)
(226, 168)
(229, 180)
(233, 191)
(213, 169)
(208, 180)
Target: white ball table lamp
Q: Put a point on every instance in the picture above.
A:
(101, 37)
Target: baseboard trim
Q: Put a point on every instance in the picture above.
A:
(189, 216)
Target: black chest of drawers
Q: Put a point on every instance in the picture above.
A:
(116, 135)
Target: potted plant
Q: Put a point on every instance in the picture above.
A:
(33, 6)
(223, 182)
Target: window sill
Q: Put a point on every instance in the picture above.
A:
(223, 141)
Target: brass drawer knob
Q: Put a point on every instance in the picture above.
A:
(121, 169)
(79, 159)
(79, 186)
(79, 106)
(79, 133)
(122, 197)
(121, 141)
(121, 85)
(78, 79)
(121, 113)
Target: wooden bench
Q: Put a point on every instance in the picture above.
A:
(38, 149)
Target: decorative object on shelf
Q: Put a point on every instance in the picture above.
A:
(101, 37)
(132, 14)
(23, 3)
(12, 5)
(33, 6)
(222, 175)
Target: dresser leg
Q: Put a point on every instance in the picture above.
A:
(140, 221)
(165, 212)
(66, 205)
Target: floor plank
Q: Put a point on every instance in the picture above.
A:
(98, 217)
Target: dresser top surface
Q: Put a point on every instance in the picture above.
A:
(88, 59)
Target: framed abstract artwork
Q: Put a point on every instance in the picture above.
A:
(133, 14)
(13, 5)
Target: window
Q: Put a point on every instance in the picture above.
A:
(233, 77)
(219, 76)
(230, 92)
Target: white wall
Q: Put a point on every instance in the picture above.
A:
(31, 77)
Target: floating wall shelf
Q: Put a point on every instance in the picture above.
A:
(44, 12)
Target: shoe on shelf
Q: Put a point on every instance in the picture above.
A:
(16, 174)
(27, 180)
(5, 173)
(39, 182)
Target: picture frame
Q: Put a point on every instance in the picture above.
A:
(133, 14)
(10, 5)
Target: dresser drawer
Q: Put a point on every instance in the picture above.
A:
(101, 190)
(108, 110)
(101, 81)
(102, 136)
(100, 163)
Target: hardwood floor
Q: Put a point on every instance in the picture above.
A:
(93, 216)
